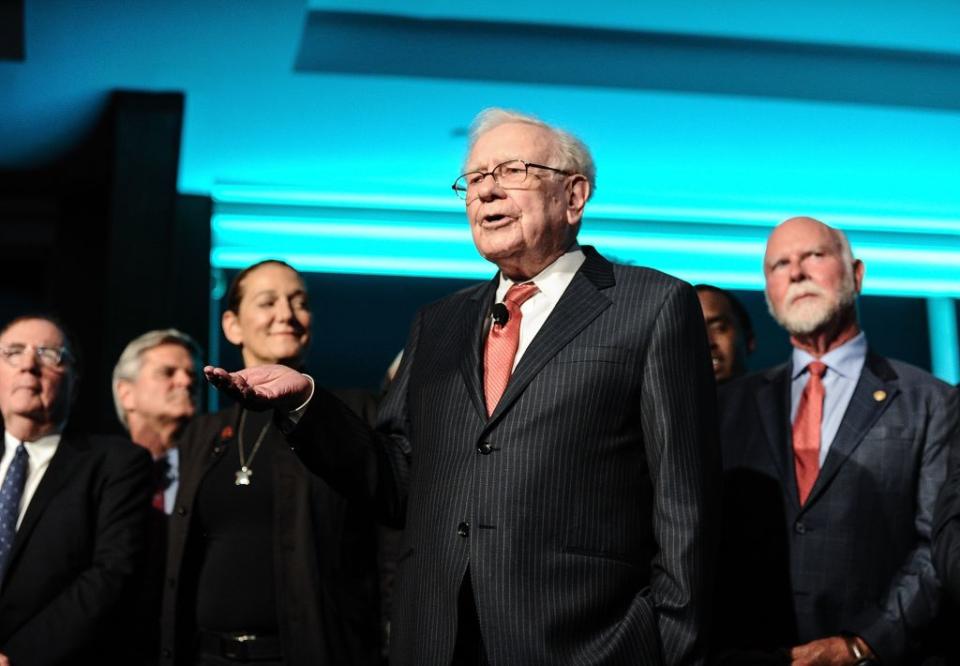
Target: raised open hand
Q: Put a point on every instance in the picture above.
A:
(262, 386)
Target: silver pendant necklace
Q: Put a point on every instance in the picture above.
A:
(246, 471)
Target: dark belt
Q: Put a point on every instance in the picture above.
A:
(240, 647)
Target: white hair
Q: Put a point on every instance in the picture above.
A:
(131, 360)
(570, 152)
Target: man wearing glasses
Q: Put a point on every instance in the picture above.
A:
(549, 438)
(72, 511)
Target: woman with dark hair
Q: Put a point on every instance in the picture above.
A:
(265, 562)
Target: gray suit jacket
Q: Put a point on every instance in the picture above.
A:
(583, 506)
(856, 557)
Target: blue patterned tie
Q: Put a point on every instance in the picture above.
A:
(10, 494)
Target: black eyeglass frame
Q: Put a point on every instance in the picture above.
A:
(461, 190)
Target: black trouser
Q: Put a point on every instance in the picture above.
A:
(216, 649)
(468, 650)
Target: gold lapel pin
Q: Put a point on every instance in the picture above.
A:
(880, 396)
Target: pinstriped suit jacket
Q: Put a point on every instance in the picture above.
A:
(582, 506)
(856, 557)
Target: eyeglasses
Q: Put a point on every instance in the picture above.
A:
(48, 357)
(506, 175)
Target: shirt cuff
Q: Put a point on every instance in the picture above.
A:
(293, 416)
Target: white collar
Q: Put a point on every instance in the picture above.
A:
(45, 442)
(40, 450)
(552, 280)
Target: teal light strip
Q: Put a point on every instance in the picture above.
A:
(218, 287)
(944, 341)
(427, 237)
(740, 212)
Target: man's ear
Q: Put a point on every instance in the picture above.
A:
(578, 191)
(125, 395)
(231, 328)
(858, 271)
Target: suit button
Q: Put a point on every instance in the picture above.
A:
(166, 653)
(181, 510)
(463, 529)
(484, 448)
(172, 582)
(799, 528)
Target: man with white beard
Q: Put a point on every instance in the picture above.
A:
(832, 464)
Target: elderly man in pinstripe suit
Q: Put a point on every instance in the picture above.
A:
(549, 439)
(832, 464)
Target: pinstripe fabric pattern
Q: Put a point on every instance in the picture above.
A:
(582, 506)
(856, 556)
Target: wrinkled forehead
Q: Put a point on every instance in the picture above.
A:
(511, 141)
(36, 332)
(799, 237)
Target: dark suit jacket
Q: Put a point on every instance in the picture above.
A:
(856, 557)
(946, 541)
(77, 556)
(582, 506)
(324, 554)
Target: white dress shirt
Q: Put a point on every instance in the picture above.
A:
(39, 454)
(552, 282)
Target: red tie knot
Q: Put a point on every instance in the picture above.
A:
(519, 294)
(817, 368)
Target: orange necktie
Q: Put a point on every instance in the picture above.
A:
(502, 343)
(806, 430)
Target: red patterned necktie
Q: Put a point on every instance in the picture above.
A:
(806, 430)
(502, 343)
(161, 481)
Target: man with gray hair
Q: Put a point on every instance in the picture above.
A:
(832, 463)
(549, 438)
(72, 511)
(155, 395)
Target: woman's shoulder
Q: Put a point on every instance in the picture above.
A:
(206, 428)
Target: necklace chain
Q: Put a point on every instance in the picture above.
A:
(245, 472)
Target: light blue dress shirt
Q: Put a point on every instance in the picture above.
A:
(844, 365)
(170, 494)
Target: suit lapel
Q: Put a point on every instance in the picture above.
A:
(580, 304)
(61, 469)
(472, 330)
(773, 402)
(862, 412)
(224, 440)
(218, 437)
